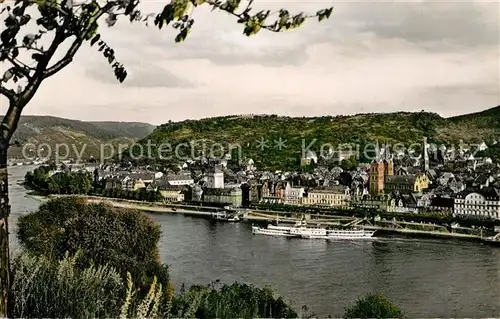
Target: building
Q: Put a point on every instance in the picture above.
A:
(172, 193)
(332, 196)
(195, 193)
(226, 196)
(480, 203)
(293, 195)
(255, 191)
(215, 178)
(279, 190)
(145, 177)
(381, 202)
(126, 183)
(309, 158)
(265, 190)
(406, 183)
(425, 156)
(179, 180)
(113, 182)
(379, 170)
(271, 200)
(402, 203)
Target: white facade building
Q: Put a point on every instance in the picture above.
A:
(293, 195)
(179, 180)
(215, 178)
(483, 203)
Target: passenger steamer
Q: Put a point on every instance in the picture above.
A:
(301, 231)
(271, 230)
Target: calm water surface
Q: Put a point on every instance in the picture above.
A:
(426, 278)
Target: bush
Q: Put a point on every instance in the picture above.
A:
(235, 301)
(373, 306)
(149, 307)
(124, 239)
(44, 288)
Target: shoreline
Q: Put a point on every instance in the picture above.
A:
(204, 211)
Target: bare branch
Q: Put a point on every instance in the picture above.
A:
(68, 57)
(31, 47)
(21, 67)
(8, 93)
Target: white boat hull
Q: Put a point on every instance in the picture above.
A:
(362, 236)
(272, 232)
(313, 233)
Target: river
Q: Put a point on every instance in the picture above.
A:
(426, 278)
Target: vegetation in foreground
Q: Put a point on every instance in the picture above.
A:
(92, 260)
(124, 239)
(373, 306)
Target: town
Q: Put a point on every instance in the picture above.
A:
(439, 181)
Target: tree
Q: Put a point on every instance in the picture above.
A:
(348, 164)
(373, 306)
(124, 239)
(345, 179)
(66, 26)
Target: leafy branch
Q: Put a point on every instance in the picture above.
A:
(77, 23)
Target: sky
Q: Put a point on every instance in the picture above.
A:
(370, 56)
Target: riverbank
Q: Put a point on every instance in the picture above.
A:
(249, 215)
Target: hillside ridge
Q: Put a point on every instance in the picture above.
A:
(408, 128)
(35, 131)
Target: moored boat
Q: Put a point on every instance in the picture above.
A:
(349, 234)
(309, 232)
(233, 218)
(271, 230)
(492, 240)
(332, 234)
(301, 230)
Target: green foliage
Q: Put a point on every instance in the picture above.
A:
(493, 152)
(300, 132)
(80, 22)
(478, 127)
(91, 135)
(349, 164)
(140, 194)
(44, 288)
(373, 306)
(122, 238)
(234, 301)
(43, 180)
(147, 307)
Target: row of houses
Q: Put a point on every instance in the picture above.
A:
(484, 202)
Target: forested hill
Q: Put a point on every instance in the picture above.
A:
(400, 127)
(38, 130)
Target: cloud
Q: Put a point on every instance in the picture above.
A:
(141, 76)
(436, 24)
(369, 57)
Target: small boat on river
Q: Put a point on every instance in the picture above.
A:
(492, 240)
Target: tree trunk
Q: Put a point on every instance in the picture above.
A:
(4, 234)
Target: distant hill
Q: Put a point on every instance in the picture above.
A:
(51, 130)
(246, 131)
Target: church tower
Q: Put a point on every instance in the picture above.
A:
(381, 167)
(425, 156)
(377, 174)
(388, 163)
